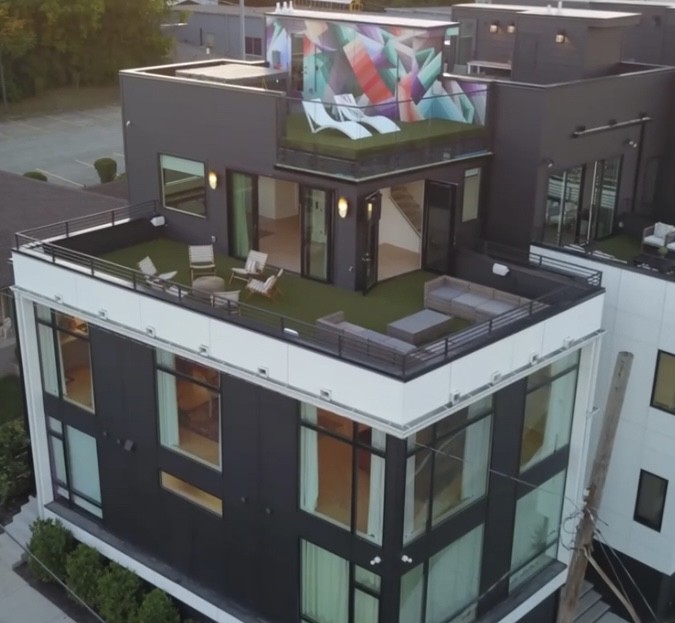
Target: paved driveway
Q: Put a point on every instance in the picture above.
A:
(63, 146)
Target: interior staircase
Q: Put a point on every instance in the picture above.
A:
(592, 609)
(409, 208)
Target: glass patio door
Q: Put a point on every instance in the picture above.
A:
(438, 238)
(562, 206)
(243, 204)
(605, 192)
(316, 232)
(371, 216)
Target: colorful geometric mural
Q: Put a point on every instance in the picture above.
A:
(396, 71)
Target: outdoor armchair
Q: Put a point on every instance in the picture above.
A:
(268, 288)
(254, 266)
(148, 268)
(202, 260)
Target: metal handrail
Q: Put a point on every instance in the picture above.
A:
(355, 349)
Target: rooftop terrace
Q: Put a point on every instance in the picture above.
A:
(108, 245)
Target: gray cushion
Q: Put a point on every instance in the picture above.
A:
(448, 292)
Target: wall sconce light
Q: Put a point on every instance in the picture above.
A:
(561, 37)
(494, 27)
(629, 142)
(547, 162)
(369, 210)
(511, 28)
(213, 180)
(343, 207)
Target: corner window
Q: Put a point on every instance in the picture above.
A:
(74, 465)
(448, 582)
(536, 529)
(65, 357)
(183, 185)
(548, 410)
(327, 580)
(470, 200)
(447, 468)
(188, 400)
(651, 499)
(663, 394)
(342, 472)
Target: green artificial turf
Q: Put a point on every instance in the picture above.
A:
(11, 399)
(620, 246)
(301, 299)
(412, 135)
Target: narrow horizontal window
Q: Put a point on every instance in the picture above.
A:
(193, 494)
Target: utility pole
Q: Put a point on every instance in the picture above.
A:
(584, 536)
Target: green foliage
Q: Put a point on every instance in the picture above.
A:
(84, 567)
(36, 175)
(15, 461)
(118, 594)
(50, 544)
(157, 607)
(11, 398)
(106, 169)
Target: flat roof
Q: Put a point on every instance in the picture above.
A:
(230, 72)
(494, 7)
(381, 19)
(580, 13)
(223, 9)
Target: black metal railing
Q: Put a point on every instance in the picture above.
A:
(318, 337)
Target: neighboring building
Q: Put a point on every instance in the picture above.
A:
(311, 457)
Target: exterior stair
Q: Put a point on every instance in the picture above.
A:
(592, 609)
(411, 210)
(18, 531)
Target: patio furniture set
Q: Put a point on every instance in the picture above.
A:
(445, 298)
(658, 249)
(205, 281)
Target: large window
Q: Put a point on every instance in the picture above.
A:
(65, 357)
(536, 529)
(548, 410)
(447, 468)
(242, 199)
(663, 393)
(342, 472)
(74, 463)
(651, 499)
(562, 206)
(188, 398)
(327, 580)
(183, 185)
(445, 586)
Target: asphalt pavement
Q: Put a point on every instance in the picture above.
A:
(63, 146)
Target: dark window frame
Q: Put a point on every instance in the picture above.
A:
(660, 407)
(253, 45)
(162, 186)
(644, 520)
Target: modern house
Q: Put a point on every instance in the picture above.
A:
(378, 405)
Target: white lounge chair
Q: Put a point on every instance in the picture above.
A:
(267, 288)
(349, 110)
(254, 266)
(148, 268)
(319, 119)
(201, 260)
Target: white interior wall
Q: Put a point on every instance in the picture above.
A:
(277, 198)
(416, 189)
(394, 229)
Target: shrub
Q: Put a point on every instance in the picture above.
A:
(50, 544)
(36, 175)
(84, 567)
(157, 607)
(15, 461)
(106, 169)
(118, 591)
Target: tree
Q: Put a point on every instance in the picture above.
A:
(16, 38)
(69, 30)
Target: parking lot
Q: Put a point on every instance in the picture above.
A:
(63, 146)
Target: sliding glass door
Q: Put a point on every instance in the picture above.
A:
(316, 232)
(562, 206)
(604, 197)
(243, 202)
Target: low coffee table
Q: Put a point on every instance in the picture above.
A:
(209, 284)
(664, 264)
(423, 326)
